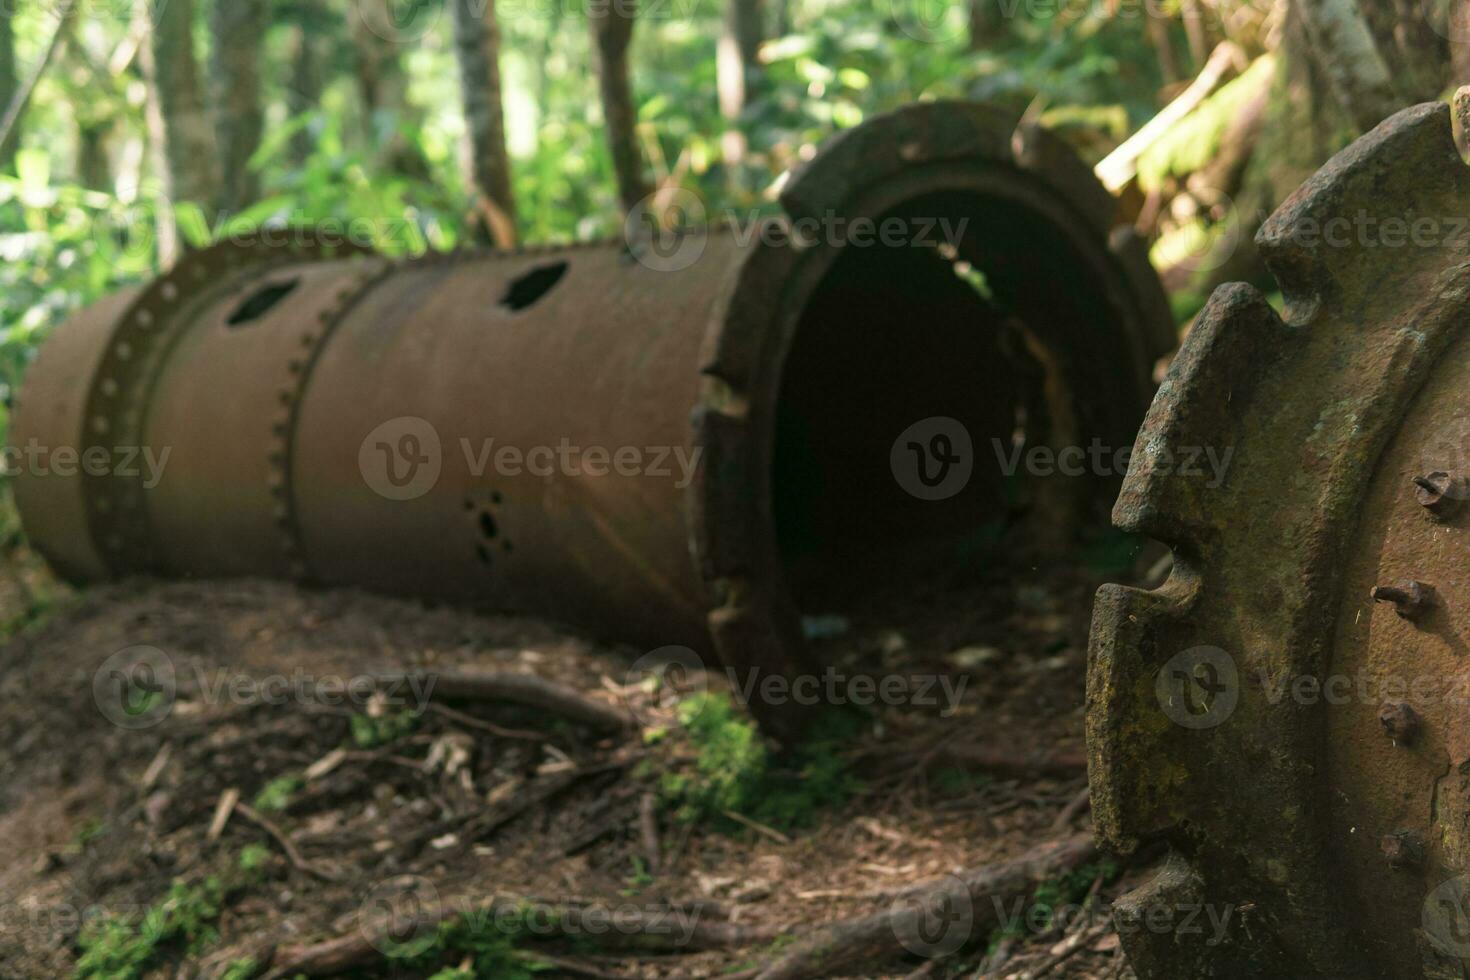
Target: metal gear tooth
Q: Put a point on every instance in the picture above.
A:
(1132, 747)
(1190, 416)
(1377, 172)
(1347, 418)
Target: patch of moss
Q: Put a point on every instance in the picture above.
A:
(125, 948)
(369, 732)
(276, 795)
(735, 771)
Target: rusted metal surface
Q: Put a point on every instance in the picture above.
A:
(338, 420)
(1238, 713)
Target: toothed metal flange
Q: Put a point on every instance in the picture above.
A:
(1237, 713)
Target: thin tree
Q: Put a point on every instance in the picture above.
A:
(20, 98)
(187, 137)
(239, 28)
(383, 86)
(612, 33)
(477, 48)
(166, 233)
(738, 69)
(304, 93)
(9, 81)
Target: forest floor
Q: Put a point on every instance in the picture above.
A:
(246, 817)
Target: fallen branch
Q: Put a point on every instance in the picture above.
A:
(649, 931)
(1120, 166)
(522, 689)
(1076, 806)
(292, 854)
(881, 935)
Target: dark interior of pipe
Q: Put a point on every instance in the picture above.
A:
(1002, 329)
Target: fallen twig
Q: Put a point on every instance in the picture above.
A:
(641, 930)
(524, 689)
(879, 936)
(292, 854)
(648, 831)
(1078, 804)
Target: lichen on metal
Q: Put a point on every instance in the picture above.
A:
(1287, 714)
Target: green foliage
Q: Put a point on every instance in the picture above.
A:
(276, 795)
(369, 731)
(734, 771)
(1065, 890)
(1196, 139)
(120, 949)
(253, 858)
(485, 940)
(125, 947)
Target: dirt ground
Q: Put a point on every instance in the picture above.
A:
(301, 815)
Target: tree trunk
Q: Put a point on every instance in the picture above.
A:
(239, 36)
(166, 234)
(15, 109)
(307, 83)
(9, 81)
(94, 170)
(188, 140)
(1158, 35)
(1347, 54)
(477, 46)
(612, 32)
(738, 69)
(384, 88)
(985, 23)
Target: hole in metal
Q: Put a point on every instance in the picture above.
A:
(261, 302)
(531, 286)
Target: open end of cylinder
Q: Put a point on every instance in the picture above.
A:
(926, 387)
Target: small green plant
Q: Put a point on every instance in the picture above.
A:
(485, 943)
(126, 947)
(369, 732)
(734, 770)
(253, 859)
(241, 969)
(639, 879)
(120, 949)
(276, 795)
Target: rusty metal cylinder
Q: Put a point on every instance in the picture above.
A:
(667, 440)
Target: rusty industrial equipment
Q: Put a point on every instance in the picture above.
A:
(1289, 714)
(329, 417)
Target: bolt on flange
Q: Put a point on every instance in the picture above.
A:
(1411, 600)
(1441, 493)
(1404, 849)
(1400, 721)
